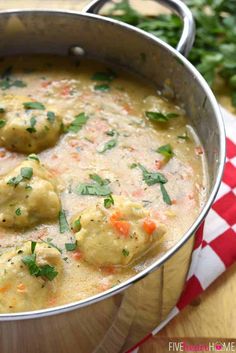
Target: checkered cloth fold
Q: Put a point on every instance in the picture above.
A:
(215, 245)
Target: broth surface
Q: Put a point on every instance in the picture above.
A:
(116, 109)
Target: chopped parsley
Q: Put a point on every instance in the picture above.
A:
(160, 117)
(33, 157)
(2, 123)
(77, 124)
(100, 187)
(111, 132)
(71, 246)
(125, 252)
(34, 105)
(106, 76)
(108, 202)
(18, 212)
(133, 165)
(107, 146)
(63, 224)
(8, 83)
(45, 271)
(184, 136)
(25, 173)
(102, 88)
(33, 246)
(2, 110)
(33, 122)
(52, 245)
(77, 225)
(152, 178)
(166, 151)
(51, 117)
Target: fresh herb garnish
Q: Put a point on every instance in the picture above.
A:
(52, 245)
(71, 246)
(46, 271)
(25, 173)
(107, 146)
(33, 122)
(108, 202)
(34, 105)
(18, 212)
(77, 124)
(51, 117)
(152, 178)
(8, 83)
(160, 117)
(2, 123)
(106, 76)
(133, 165)
(111, 132)
(214, 48)
(2, 110)
(184, 136)
(102, 88)
(33, 157)
(125, 252)
(100, 187)
(33, 246)
(63, 224)
(166, 151)
(77, 225)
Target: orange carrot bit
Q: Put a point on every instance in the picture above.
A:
(2, 154)
(45, 84)
(149, 226)
(109, 269)
(52, 301)
(77, 255)
(75, 155)
(115, 217)
(73, 143)
(138, 193)
(198, 150)
(123, 227)
(4, 288)
(159, 164)
(21, 288)
(65, 90)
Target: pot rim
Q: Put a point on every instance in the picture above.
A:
(190, 232)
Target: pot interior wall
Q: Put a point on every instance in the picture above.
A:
(56, 32)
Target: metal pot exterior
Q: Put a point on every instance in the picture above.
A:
(116, 320)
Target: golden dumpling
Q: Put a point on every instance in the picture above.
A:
(28, 126)
(28, 195)
(29, 277)
(116, 235)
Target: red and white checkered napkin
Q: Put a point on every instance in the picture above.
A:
(215, 244)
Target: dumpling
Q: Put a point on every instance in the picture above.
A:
(29, 277)
(28, 126)
(117, 235)
(28, 195)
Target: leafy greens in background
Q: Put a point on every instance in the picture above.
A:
(214, 51)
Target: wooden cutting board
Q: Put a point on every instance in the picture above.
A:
(213, 315)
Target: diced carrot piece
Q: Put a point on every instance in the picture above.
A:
(75, 155)
(198, 150)
(115, 217)
(4, 288)
(149, 226)
(52, 301)
(2, 154)
(77, 255)
(21, 288)
(45, 84)
(109, 269)
(159, 164)
(123, 227)
(65, 91)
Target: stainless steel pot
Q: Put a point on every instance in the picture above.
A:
(118, 318)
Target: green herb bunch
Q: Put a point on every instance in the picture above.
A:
(214, 51)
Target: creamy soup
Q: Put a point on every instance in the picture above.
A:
(99, 176)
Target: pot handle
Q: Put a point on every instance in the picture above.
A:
(188, 33)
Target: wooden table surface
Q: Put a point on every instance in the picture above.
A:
(213, 315)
